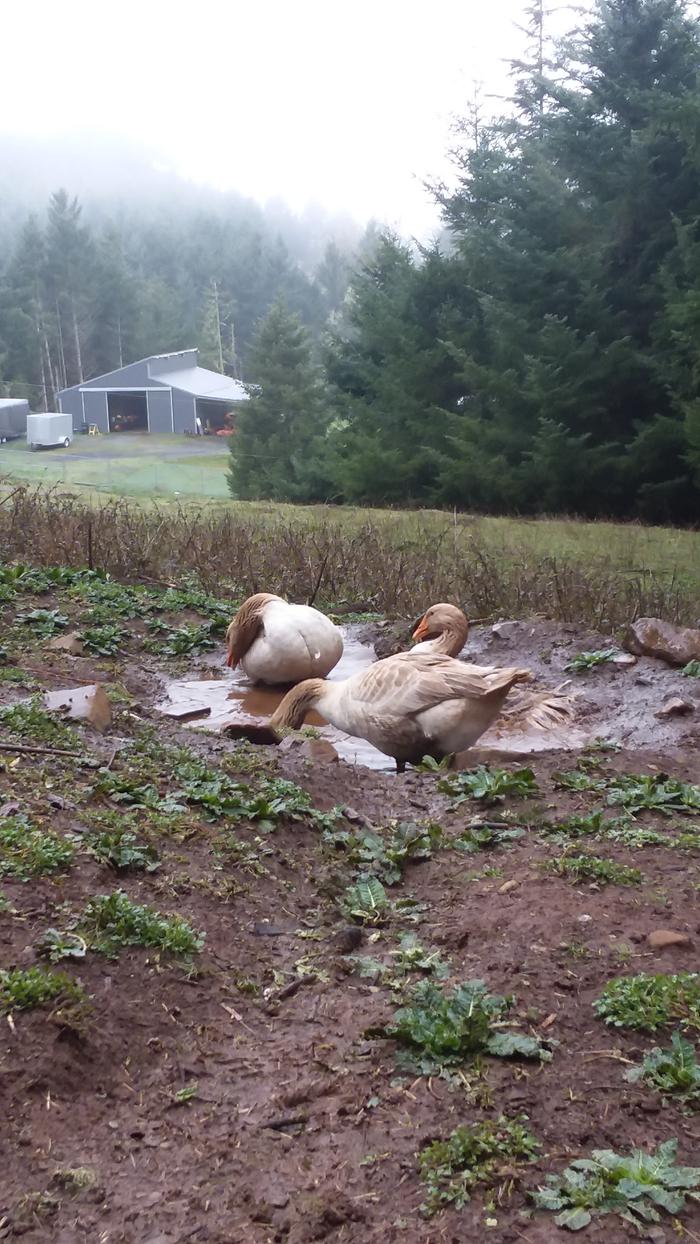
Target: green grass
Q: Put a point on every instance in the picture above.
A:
(112, 921)
(29, 723)
(136, 466)
(27, 851)
(23, 988)
(480, 1154)
(648, 1002)
(590, 868)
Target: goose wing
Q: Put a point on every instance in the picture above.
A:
(409, 683)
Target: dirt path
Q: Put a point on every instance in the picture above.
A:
(245, 1096)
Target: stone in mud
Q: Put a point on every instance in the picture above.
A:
(660, 939)
(318, 750)
(88, 704)
(652, 637)
(675, 707)
(71, 643)
(505, 630)
(348, 939)
(393, 639)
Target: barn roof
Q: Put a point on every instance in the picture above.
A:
(202, 383)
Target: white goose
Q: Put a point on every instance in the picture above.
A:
(275, 642)
(407, 706)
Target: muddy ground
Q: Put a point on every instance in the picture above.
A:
(295, 1124)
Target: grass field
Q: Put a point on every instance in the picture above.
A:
(127, 466)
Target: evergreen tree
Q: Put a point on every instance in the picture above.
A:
(278, 447)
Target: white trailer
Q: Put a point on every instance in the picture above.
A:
(49, 429)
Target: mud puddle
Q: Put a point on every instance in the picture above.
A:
(231, 701)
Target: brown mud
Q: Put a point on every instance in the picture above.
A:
(299, 1127)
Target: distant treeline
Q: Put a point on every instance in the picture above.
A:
(84, 290)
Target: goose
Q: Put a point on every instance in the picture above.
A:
(444, 629)
(407, 706)
(275, 642)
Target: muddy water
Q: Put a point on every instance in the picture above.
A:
(232, 701)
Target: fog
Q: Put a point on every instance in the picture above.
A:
(346, 108)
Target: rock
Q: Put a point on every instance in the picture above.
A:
(248, 730)
(71, 643)
(348, 939)
(508, 886)
(675, 707)
(652, 637)
(624, 658)
(505, 630)
(319, 750)
(89, 704)
(660, 939)
(186, 711)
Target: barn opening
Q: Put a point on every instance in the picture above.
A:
(217, 418)
(128, 412)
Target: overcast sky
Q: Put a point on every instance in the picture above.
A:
(344, 104)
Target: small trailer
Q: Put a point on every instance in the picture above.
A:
(13, 418)
(44, 431)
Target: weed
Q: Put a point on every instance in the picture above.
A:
(366, 901)
(57, 944)
(654, 793)
(11, 674)
(631, 1186)
(692, 669)
(122, 851)
(588, 660)
(385, 853)
(480, 1153)
(490, 786)
(440, 1031)
(646, 1002)
(43, 622)
(576, 950)
(29, 721)
(172, 642)
(185, 1095)
(74, 1179)
(591, 868)
(26, 851)
(674, 1071)
(410, 957)
(112, 921)
(480, 837)
(575, 780)
(22, 988)
(106, 641)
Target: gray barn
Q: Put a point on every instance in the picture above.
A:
(164, 393)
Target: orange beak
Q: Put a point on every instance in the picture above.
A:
(421, 630)
(231, 662)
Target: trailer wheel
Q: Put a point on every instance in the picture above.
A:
(66, 442)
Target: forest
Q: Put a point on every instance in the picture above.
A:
(541, 357)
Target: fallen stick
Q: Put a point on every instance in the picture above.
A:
(44, 751)
(291, 989)
(293, 1120)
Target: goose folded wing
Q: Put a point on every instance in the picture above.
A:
(408, 684)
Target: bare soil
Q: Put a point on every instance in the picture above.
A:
(300, 1127)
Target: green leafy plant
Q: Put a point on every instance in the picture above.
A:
(106, 641)
(489, 785)
(43, 622)
(486, 837)
(634, 1186)
(655, 793)
(576, 780)
(593, 869)
(23, 988)
(185, 1095)
(692, 669)
(674, 1072)
(366, 901)
(410, 957)
(439, 1030)
(27, 851)
(647, 1002)
(122, 851)
(385, 853)
(112, 921)
(176, 642)
(585, 661)
(476, 1154)
(57, 944)
(29, 721)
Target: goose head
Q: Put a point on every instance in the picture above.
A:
(246, 626)
(291, 712)
(447, 625)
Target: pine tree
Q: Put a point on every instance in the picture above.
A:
(278, 448)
